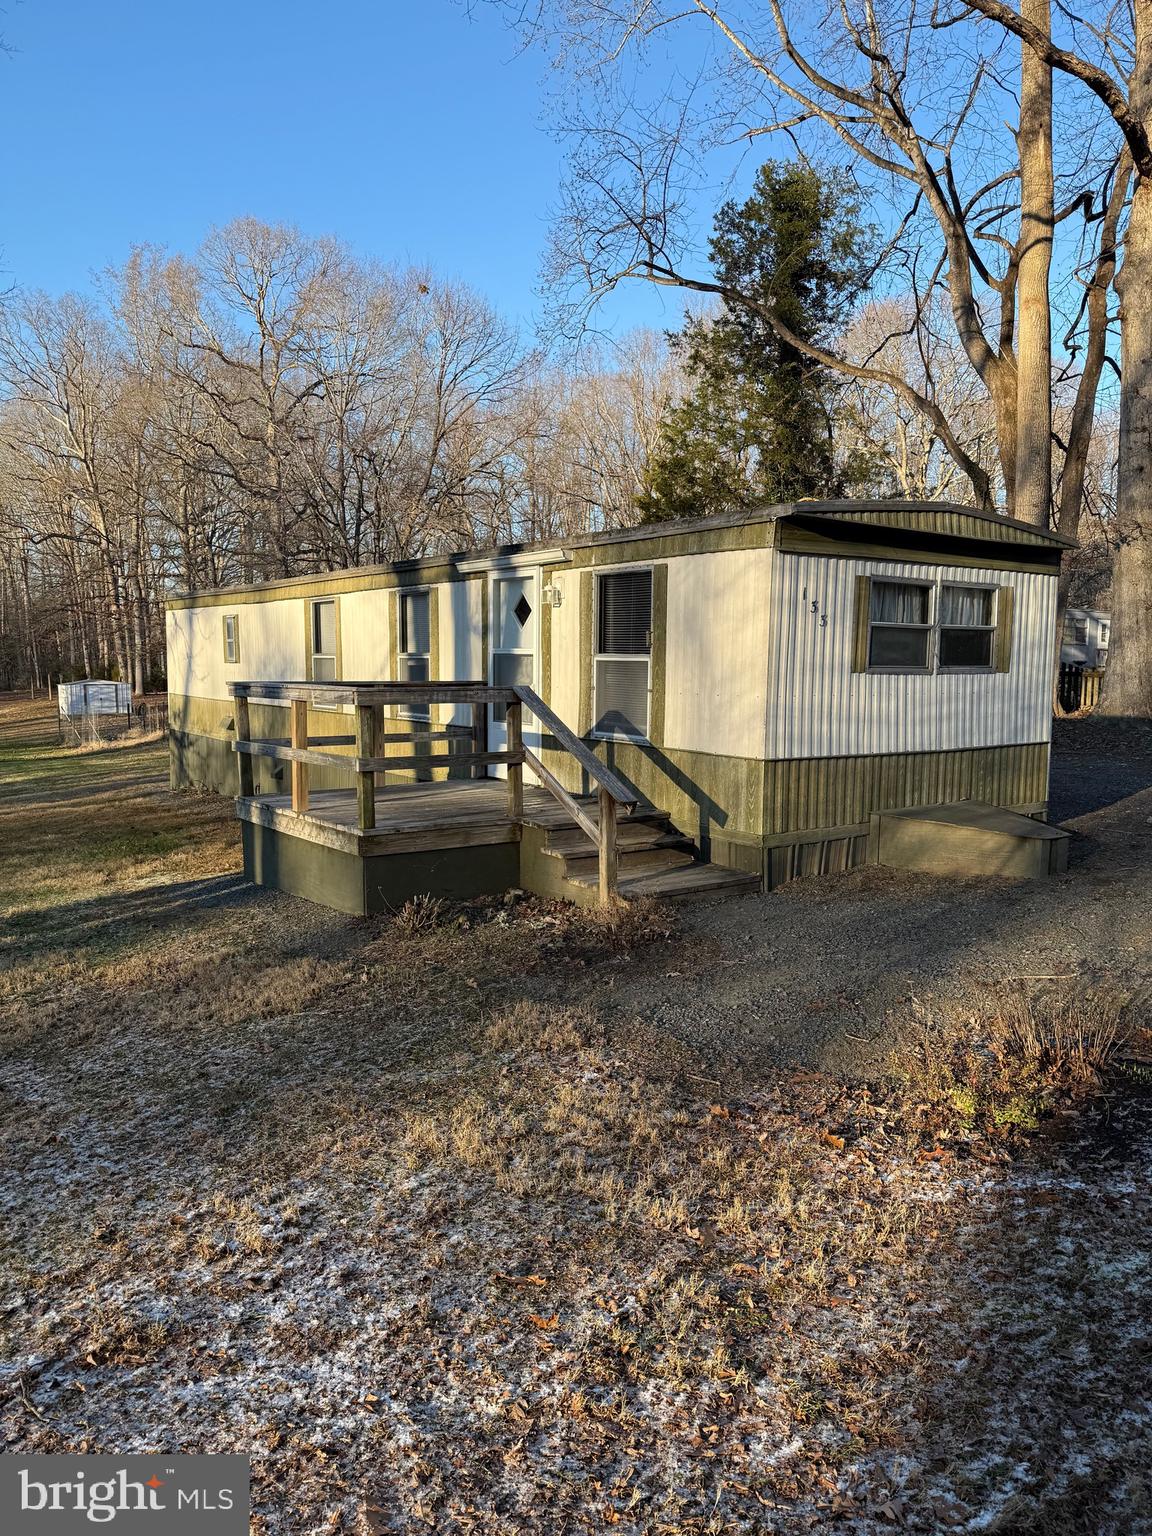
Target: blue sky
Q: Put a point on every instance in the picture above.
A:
(411, 131)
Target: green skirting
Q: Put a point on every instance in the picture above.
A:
(364, 886)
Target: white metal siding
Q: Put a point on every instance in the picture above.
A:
(819, 707)
(716, 666)
(272, 638)
(363, 635)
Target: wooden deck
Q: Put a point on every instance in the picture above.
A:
(369, 849)
(453, 813)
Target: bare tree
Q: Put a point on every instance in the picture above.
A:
(968, 209)
(1120, 77)
(275, 407)
(877, 425)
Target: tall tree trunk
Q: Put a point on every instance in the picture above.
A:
(1032, 501)
(1127, 688)
(30, 621)
(1070, 501)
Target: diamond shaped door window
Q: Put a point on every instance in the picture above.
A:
(523, 610)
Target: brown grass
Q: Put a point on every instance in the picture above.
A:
(398, 1208)
(1008, 1069)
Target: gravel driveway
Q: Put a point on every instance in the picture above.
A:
(827, 972)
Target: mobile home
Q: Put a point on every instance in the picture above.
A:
(780, 692)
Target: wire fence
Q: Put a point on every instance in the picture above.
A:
(145, 717)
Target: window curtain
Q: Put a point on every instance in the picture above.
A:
(897, 603)
(967, 606)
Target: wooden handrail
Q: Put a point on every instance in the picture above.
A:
(354, 764)
(368, 700)
(334, 695)
(603, 777)
(570, 804)
(612, 791)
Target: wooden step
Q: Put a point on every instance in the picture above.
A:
(640, 831)
(552, 815)
(633, 861)
(970, 837)
(689, 880)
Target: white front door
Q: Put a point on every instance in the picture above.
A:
(512, 650)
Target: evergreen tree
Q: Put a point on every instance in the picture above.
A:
(757, 421)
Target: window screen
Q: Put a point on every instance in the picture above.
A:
(967, 626)
(414, 630)
(324, 642)
(231, 637)
(509, 671)
(900, 625)
(626, 614)
(621, 696)
(624, 635)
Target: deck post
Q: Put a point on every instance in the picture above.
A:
(244, 760)
(300, 743)
(514, 729)
(479, 737)
(368, 720)
(608, 859)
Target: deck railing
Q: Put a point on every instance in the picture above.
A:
(1078, 688)
(373, 732)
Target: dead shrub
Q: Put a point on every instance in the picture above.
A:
(625, 925)
(1006, 1069)
(115, 1337)
(420, 915)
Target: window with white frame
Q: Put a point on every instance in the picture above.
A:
(232, 638)
(900, 626)
(621, 665)
(324, 641)
(415, 646)
(967, 627)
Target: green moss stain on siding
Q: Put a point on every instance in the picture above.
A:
(665, 546)
(703, 793)
(853, 543)
(546, 652)
(735, 800)
(419, 574)
(843, 791)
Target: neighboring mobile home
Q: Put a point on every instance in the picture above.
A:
(1087, 636)
(773, 680)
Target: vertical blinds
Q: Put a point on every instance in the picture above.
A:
(625, 607)
(414, 627)
(324, 628)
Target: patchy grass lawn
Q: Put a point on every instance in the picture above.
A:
(393, 1207)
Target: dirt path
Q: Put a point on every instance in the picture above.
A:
(823, 973)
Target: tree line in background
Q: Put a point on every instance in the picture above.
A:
(277, 408)
(879, 326)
